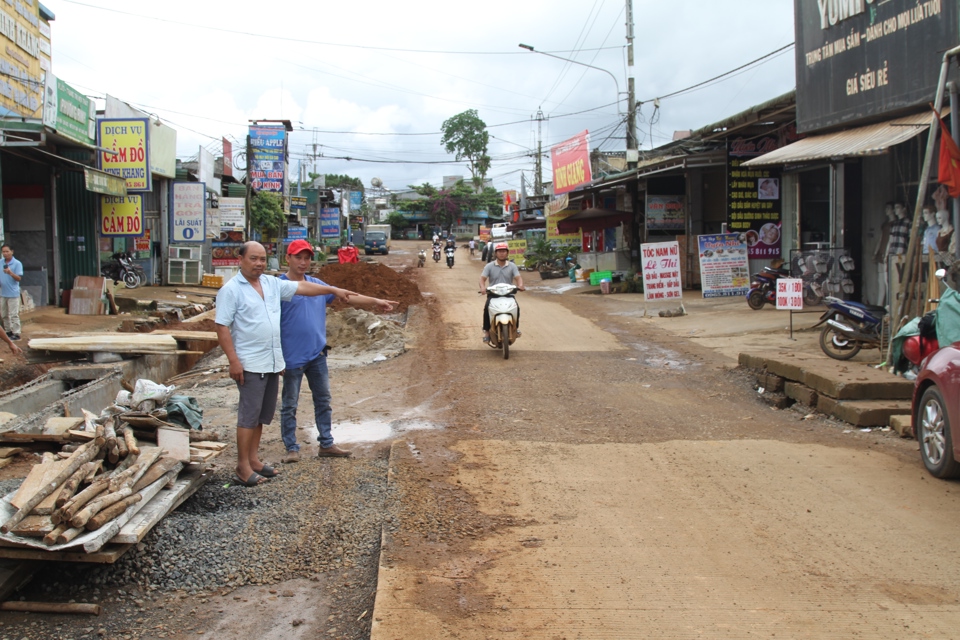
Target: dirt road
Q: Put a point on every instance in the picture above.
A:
(610, 481)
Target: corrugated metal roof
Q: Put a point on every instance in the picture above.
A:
(870, 140)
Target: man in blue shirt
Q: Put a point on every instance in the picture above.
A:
(248, 328)
(10, 292)
(303, 336)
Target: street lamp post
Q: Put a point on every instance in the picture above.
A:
(582, 64)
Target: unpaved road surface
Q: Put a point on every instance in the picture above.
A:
(609, 480)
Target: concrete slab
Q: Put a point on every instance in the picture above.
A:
(903, 424)
(840, 380)
(863, 413)
(801, 393)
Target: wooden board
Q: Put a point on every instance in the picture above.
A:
(87, 295)
(34, 526)
(175, 441)
(5, 461)
(12, 437)
(58, 426)
(112, 342)
(39, 475)
(107, 555)
(166, 501)
(9, 452)
(6, 416)
(202, 455)
(212, 445)
(188, 335)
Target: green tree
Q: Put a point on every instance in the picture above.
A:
(266, 213)
(397, 222)
(465, 135)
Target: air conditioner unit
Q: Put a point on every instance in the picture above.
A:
(183, 253)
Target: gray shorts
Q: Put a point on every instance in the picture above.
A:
(258, 399)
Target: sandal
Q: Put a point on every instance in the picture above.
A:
(486, 338)
(268, 472)
(254, 479)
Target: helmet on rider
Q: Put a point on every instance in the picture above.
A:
(501, 245)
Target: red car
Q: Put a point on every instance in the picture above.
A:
(936, 412)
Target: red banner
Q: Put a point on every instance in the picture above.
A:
(571, 163)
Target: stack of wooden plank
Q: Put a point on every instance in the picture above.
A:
(109, 342)
(89, 296)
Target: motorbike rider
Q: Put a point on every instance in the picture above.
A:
(499, 271)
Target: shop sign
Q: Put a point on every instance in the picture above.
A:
(330, 223)
(558, 204)
(188, 212)
(268, 146)
(790, 294)
(858, 59)
(660, 265)
(227, 158)
(356, 200)
(121, 216)
(21, 80)
(666, 213)
(724, 269)
(104, 183)
(571, 163)
(124, 151)
(553, 232)
(517, 250)
(233, 214)
(298, 202)
(69, 112)
(141, 246)
(753, 197)
(296, 233)
(225, 254)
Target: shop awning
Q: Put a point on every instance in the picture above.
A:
(870, 140)
(524, 225)
(593, 220)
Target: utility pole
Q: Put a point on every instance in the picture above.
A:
(538, 178)
(637, 235)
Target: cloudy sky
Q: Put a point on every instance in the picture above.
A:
(375, 80)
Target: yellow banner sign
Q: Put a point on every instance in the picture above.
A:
(124, 151)
(121, 216)
(554, 235)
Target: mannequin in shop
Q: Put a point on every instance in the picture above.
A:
(880, 255)
(930, 233)
(946, 240)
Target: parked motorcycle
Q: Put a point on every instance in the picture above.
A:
(450, 251)
(763, 287)
(421, 258)
(504, 314)
(436, 253)
(122, 268)
(850, 326)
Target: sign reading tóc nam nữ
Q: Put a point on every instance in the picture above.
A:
(188, 212)
(660, 264)
(121, 216)
(124, 151)
(571, 163)
(790, 293)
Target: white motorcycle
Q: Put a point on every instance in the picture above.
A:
(450, 251)
(504, 314)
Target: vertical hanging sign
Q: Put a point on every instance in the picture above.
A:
(188, 212)
(124, 151)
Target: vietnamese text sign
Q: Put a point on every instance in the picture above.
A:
(298, 202)
(141, 246)
(666, 213)
(790, 293)
(187, 212)
(553, 232)
(296, 233)
(69, 112)
(330, 223)
(724, 270)
(233, 214)
(268, 146)
(753, 197)
(571, 163)
(121, 216)
(660, 262)
(104, 183)
(857, 59)
(21, 82)
(128, 155)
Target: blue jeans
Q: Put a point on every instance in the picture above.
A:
(318, 378)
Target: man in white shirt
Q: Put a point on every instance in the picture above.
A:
(248, 328)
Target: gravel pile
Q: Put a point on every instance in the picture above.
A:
(318, 515)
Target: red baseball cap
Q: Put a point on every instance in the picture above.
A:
(297, 246)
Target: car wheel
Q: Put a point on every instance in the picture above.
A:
(933, 432)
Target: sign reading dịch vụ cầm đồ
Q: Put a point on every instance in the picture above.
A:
(124, 151)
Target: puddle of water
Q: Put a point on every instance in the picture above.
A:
(660, 358)
(372, 430)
